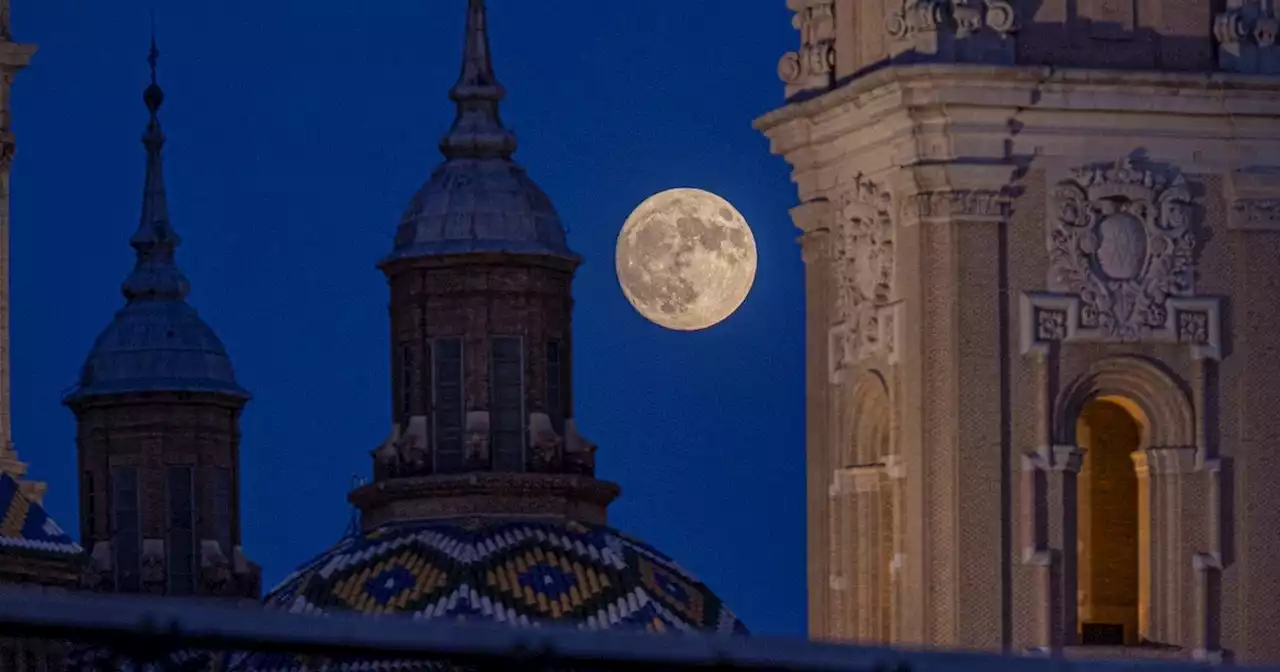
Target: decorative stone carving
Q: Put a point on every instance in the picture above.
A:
(100, 575)
(153, 574)
(862, 261)
(962, 17)
(1260, 214)
(476, 440)
(1122, 244)
(406, 452)
(215, 568)
(1123, 241)
(812, 66)
(1254, 195)
(944, 205)
(544, 444)
(579, 453)
(1246, 34)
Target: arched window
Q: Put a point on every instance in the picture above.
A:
(1109, 524)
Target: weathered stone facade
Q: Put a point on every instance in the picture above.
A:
(1082, 204)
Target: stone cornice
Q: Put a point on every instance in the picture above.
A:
(1204, 90)
(433, 497)
(14, 56)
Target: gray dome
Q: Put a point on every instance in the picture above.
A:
(156, 342)
(153, 346)
(480, 205)
(479, 199)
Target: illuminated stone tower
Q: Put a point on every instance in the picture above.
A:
(1041, 243)
(158, 426)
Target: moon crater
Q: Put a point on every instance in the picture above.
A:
(686, 259)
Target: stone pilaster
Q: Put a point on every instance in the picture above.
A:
(814, 219)
(1049, 541)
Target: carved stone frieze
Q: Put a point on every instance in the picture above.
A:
(812, 65)
(946, 205)
(961, 17)
(1246, 37)
(1259, 214)
(862, 263)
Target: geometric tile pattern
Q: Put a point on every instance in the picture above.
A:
(25, 527)
(523, 573)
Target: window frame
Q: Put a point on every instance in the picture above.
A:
(171, 530)
(522, 422)
(126, 583)
(437, 438)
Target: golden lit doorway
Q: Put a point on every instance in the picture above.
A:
(1110, 528)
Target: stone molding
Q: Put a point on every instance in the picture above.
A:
(1164, 461)
(812, 66)
(1048, 319)
(509, 494)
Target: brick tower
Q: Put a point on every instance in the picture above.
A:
(1040, 241)
(158, 410)
(480, 324)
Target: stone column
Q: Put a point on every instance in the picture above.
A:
(1163, 492)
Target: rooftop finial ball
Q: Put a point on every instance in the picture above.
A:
(686, 259)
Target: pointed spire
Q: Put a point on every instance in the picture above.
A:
(155, 275)
(477, 129)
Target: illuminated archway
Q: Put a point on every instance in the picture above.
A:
(1137, 418)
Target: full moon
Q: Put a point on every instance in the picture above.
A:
(686, 259)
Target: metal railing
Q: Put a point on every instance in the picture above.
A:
(156, 629)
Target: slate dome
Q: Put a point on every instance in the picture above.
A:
(153, 346)
(480, 204)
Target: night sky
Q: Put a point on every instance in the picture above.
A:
(298, 131)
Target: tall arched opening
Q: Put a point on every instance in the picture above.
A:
(1111, 523)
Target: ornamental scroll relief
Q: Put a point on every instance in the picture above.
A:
(963, 17)
(862, 262)
(812, 66)
(1122, 242)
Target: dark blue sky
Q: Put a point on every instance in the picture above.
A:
(298, 131)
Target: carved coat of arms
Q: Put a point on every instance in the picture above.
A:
(1122, 239)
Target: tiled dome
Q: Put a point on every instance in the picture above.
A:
(157, 345)
(520, 572)
(480, 204)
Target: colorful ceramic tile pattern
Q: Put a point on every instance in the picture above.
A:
(518, 572)
(25, 527)
(522, 573)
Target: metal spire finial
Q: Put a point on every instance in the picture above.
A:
(477, 129)
(155, 275)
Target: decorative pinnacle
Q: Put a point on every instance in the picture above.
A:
(477, 129)
(155, 275)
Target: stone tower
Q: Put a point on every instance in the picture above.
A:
(1041, 242)
(481, 304)
(13, 58)
(158, 409)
